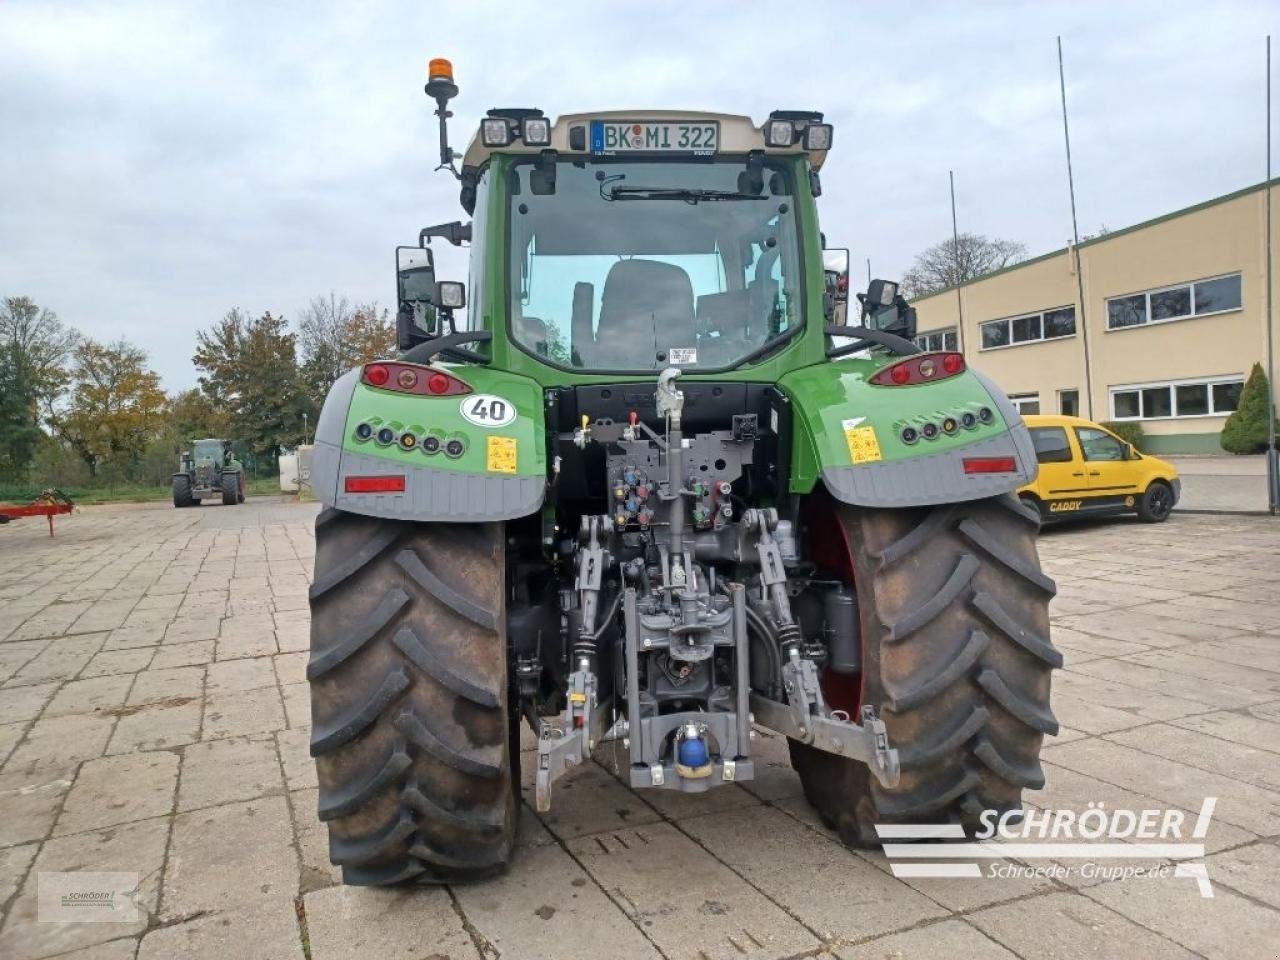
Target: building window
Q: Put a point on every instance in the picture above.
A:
(1069, 403)
(1215, 397)
(1198, 299)
(937, 340)
(1051, 444)
(1025, 402)
(1030, 328)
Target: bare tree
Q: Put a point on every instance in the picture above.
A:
(336, 335)
(946, 264)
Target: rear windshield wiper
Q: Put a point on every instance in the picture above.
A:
(687, 194)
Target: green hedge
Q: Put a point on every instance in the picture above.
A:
(1129, 432)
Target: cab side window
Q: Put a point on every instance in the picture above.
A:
(1051, 444)
(1099, 445)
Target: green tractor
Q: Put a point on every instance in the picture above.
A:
(208, 469)
(635, 484)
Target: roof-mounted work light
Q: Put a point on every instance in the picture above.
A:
(536, 131)
(495, 132)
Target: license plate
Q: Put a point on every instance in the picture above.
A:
(663, 136)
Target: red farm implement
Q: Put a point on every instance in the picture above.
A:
(46, 505)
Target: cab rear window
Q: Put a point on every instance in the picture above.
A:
(1051, 444)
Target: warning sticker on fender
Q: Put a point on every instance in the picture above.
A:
(864, 447)
(501, 454)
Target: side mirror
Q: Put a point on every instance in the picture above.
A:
(835, 268)
(415, 296)
(1131, 452)
(883, 308)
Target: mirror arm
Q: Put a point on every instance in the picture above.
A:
(449, 343)
(866, 337)
(456, 232)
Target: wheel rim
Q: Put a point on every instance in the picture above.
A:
(1159, 503)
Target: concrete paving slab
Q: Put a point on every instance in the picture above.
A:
(312, 837)
(231, 857)
(589, 800)
(1059, 926)
(548, 906)
(60, 741)
(25, 703)
(153, 686)
(1232, 761)
(162, 725)
(172, 655)
(110, 662)
(224, 676)
(220, 771)
(14, 862)
(950, 938)
(297, 705)
(267, 932)
(1212, 694)
(242, 713)
(690, 904)
(1251, 870)
(355, 923)
(1180, 784)
(295, 758)
(1236, 728)
(131, 848)
(1224, 927)
(114, 790)
(95, 695)
(832, 891)
(62, 659)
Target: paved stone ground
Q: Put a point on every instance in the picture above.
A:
(154, 714)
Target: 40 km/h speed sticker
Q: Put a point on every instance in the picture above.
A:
(486, 410)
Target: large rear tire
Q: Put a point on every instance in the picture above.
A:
(956, 661)
(230, 489)
(182, 491)
(409, 699)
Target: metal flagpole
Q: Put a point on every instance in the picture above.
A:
(1075, 237)
(1273, 456)
(955, 241)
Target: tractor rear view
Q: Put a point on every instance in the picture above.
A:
(207, 470)
(642, 483)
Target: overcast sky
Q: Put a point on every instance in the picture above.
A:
(163, 162)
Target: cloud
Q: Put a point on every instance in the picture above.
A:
(163, 163)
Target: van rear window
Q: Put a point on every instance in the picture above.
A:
(1051, 444)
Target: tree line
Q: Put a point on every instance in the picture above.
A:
(76, 411)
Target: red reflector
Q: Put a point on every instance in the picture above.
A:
(990, 465)
(952, 362)
(375, 484)
(438, 383)
(377, 374)
(900, 373)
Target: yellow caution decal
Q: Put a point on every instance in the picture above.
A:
(501, 454)
(864, 447)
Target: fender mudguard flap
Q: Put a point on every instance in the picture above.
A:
(430, 494)
(932, 478)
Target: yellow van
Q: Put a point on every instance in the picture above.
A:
(1086, 470)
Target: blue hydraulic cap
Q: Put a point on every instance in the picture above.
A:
(693, 752)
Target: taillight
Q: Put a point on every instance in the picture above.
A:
(412, 378)
(393, 484)
(923, 368)
(990, 465)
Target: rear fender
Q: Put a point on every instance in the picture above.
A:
(502, 473)
(848, 435)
